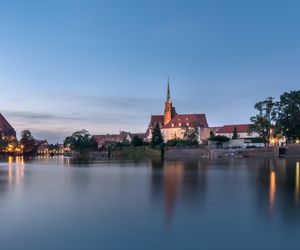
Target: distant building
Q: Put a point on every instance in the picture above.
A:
(174, 126)
(7, 132)
(109, 139)
(243, 131)
(42, 146)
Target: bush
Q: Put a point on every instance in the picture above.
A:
(219, 138)
(181, 143)
(137, 141)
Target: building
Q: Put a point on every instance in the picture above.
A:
(109, 139)
(174, 126)
(244, 136)
(42, 147)
(242, 131)
(7, 132)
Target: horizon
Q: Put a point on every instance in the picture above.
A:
(103, 66)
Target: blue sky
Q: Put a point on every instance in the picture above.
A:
(103, 65)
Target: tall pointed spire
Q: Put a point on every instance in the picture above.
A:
(168, 91)
(168, 106)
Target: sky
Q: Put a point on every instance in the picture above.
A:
(103, 65)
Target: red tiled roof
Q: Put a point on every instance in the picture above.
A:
(102, 139)
(228, 129)
(157, 119)
(191, 120)
(4, 124)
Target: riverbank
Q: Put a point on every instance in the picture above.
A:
(292, 150)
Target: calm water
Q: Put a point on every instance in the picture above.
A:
(206, 204)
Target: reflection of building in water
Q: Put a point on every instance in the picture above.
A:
(297, 183)
(12, 174)
(272, 191)
(15, 170)
(173, 175)
(178, 182)
(279, 188)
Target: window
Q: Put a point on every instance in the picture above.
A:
(172, 125)
(179, 124)
(187, 124)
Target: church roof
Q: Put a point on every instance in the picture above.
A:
(189, 120)
(4, 124)
(157, 119)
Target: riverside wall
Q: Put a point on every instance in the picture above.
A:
(293, 150)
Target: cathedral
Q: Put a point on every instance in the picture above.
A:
(173, 125)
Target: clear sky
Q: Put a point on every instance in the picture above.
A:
(103, 65)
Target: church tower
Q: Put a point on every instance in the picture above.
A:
(168, 107)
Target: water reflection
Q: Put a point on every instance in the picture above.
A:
(272, 191)
(12, 173)
(297, 181)
(195, 184)
(178, 183)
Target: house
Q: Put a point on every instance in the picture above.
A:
(42, 146)
(243, 131)
(108, 139)
(7, 132)
(244, 136)
(174, 125)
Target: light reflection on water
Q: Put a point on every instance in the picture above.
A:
(51, 203)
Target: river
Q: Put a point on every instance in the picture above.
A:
(53, 203)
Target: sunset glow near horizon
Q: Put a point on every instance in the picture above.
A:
(103, 65)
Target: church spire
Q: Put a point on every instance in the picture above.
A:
(168, 106)
(168, 91)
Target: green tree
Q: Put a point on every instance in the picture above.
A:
(288, 121)
(28, 142)
(157, 137)
(136, 141)
(191, 134)
(265, 119)
(81, 141)
(235, 134)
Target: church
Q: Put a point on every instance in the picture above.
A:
(174, 126)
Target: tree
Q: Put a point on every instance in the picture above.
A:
(191, 134)
(288, 121)
(157, 137)
(235, 134)
(3, 145)
(136, 141)
(265, 119)
(28, 142)
(81, 141)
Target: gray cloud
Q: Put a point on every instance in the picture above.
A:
(38, 116)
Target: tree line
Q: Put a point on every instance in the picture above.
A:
(278, 117)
